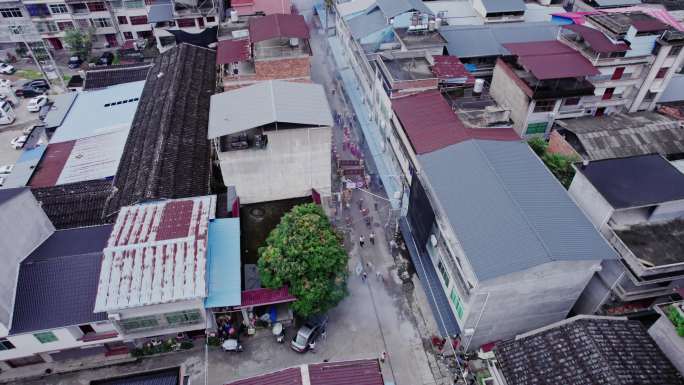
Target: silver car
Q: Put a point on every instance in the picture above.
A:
(309, 333)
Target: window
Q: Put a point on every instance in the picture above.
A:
(6, 345)
(186, 22)
(64, 25)
(544, 105)
(211, 19)
(661, 73)
(59, 8)
(47, 27)
(79, 8)
(608, 93)
(138, 20)
(571, 101)
(618, 73)
(96, 7)
(45, 337)
(116, 4)
(134, 4)
(650, 95)
(536, 128)
(183, 317)
(444, 272)
(457, 303)
(11, 12)
(38, 9)
(139, 323)
(122, 19)
(128, 35)
(102, 23)
(83, 23)
(675, 51)
(86, 329)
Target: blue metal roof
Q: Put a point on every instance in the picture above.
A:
(26, 164)
(60, 107)
(366, 24)
(507, 209)
(223, 261)
(101, 111)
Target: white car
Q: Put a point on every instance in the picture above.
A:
(19, 142)
(7, 69)
(6, 169)
(36, 103)
(2, 180)
(5, 83)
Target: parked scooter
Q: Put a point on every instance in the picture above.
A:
(231, 345)
(279, 332)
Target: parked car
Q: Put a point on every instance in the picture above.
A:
(19, 142)
(6, 169)
(309, 333)
(36, 103)
(74, 62)
(106, 59)
(32, 88)
(2, 180)
(7, 69)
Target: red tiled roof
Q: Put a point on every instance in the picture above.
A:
(649, 25)
(277, 25)
(449, 67)
(596, 39)
(230, 51)
(551, 60)
(292, 376)
(430, 124)
(51, 165)
(260, 297)
(361, 372)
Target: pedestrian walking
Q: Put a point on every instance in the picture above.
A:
(371, 237)
(369, 265)
(362, 241)
(379, 276)
(364, 276)
(383, 357)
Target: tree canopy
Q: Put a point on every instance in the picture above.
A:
(80, 43)
(304, 253)
(560, 165)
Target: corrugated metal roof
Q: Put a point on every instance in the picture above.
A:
(498, 6)
(392, 8)
(361, 372)
(596, 39)
(140, 268)
(277, 26)
(223, 263)
(59, 109)
(616, 3)
(450, 67)
(366, 24)
(488, 40)
(101, 77)
(430, 123)
(160, 13)
(25, 166)
(507, 210)
(557, 66)
(162, 377)
(268, 102)
(292, 376)
(230, 51)
(93, 158)
(635, 181)
(100, 111)
(58, 282)
(263, 296)
(51, 165)
(354, 6)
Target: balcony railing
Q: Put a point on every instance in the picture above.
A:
(90, 337)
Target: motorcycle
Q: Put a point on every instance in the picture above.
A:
(231, 345)
(279, 332)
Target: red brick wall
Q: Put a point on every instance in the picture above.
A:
(293, 68)
(558, 145)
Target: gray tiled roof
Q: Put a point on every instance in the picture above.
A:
(162, 377)
(392, 8)
(487, 40)
(58, 282)
(507, 210)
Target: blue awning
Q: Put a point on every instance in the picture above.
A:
(160, 13)
(446, 321)
(223, 263)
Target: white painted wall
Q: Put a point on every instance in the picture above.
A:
(67, 338)
(594, 205)
(160, 309)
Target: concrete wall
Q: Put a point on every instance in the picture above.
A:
(669, 210)
(599, 287)
(268, 7)
(160, 310)
(665, 336)
(507, 93)
(67, 338)
(23, 227)
(594, 205)
(523, 301)
(558, 145)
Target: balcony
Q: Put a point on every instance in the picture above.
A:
(90, 337)
(601, 60)
(561, 88)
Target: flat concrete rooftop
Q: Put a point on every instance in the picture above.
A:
(658, 244)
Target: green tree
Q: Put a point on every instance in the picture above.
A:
(80, 43)
(560, 165)
(538, 145)
(304, 253)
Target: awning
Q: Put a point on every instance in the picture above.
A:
(223, 263)
(262, 297)
(231, 51)
(160, 13)
(446, 321)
